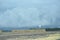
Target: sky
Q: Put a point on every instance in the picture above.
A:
(20, 13)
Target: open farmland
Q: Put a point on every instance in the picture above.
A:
(30, 35)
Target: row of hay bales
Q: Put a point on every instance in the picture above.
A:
(25, 31)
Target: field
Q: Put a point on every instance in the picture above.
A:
(30, 35)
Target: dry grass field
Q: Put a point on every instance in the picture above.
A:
(55, 36)
(30, 35)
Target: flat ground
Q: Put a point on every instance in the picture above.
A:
(55, 35)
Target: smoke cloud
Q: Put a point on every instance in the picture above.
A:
(18, 13)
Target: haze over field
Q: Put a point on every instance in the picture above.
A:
(18, 13)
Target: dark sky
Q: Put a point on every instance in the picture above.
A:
(18, 13)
